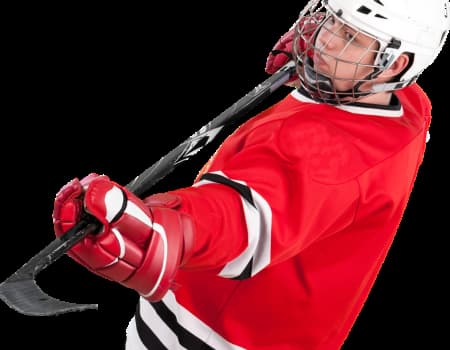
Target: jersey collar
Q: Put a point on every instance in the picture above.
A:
(394, 110)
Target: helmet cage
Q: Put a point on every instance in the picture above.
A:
(322, 86)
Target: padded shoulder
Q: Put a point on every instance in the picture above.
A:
(324, 150)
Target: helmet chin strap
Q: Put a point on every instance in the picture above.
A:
(392, 86)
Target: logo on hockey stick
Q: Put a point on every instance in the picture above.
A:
(197, 141)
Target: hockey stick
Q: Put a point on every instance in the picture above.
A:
(20, 291)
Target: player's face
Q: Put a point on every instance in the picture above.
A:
(343, 54)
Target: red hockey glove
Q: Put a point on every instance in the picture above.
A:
(282, 51)
(139, 245)
(281, 54)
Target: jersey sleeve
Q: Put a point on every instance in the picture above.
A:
(268, 196)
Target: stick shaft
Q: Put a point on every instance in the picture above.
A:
(20, 291)
(208, 132)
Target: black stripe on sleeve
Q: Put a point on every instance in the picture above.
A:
(243, 190)
(245, 193)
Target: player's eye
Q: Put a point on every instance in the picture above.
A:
(349, 35)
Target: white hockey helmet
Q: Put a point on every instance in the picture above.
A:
(400, 26)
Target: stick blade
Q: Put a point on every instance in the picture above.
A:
(26, 297)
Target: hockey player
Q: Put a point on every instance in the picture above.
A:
(278, 242)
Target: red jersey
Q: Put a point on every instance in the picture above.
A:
(294, 216)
